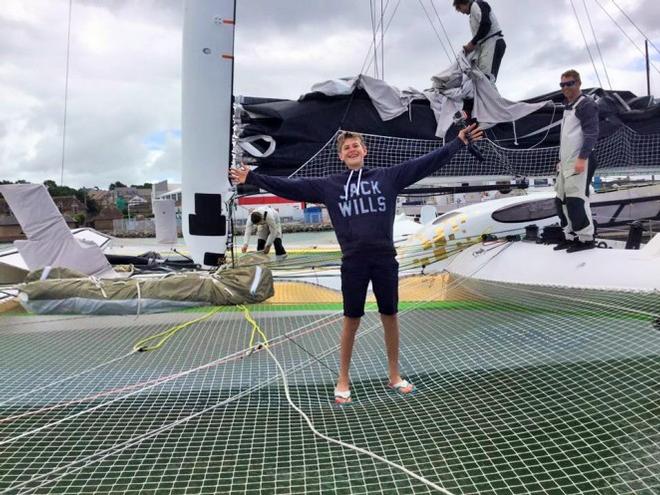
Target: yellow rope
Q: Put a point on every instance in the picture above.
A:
(144, 344)
(255, 327)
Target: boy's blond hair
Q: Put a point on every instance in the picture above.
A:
(343, 136)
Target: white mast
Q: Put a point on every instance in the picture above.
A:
(207, 77)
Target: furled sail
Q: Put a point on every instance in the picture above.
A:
(284, 136)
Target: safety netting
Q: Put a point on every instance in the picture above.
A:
(624, 152)
(520, 389)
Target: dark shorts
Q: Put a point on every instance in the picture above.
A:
(357, 272)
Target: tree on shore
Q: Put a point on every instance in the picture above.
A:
(19, 181)
(115, 185)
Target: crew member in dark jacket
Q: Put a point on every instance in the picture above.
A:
(361, 203)
(579, 133)
(487, 36)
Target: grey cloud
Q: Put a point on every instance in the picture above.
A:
(646, 16)
(128, 87)
(164, 12)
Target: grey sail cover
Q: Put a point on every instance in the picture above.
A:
(462, 79)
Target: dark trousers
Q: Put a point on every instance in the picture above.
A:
(277, 244)
(498, 55)
(500, 48)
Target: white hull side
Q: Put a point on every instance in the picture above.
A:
(537, 264)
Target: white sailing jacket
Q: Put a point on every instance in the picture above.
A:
(579, 133)
(271, 220)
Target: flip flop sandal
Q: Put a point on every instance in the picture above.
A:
(342, 398)
(404, 387)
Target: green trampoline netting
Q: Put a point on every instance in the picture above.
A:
(520, 390)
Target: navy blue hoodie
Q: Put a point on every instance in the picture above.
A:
(361, 203)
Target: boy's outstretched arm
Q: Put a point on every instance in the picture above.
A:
(409, 172)
(309, 190)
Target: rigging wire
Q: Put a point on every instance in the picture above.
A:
(373, 36)
(626, 34)
(66, 91)
(449, 57)
(375, 26)
(382, 42)
(437, 14)
(600, 53)
(636, 26)
(374, 29)
(586, 44)
(367, 58)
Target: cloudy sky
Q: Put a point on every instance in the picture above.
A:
(123, 118)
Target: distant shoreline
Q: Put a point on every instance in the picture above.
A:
(240, 230)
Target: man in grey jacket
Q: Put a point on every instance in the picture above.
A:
(579, 133)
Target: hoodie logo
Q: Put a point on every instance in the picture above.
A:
(368, 199)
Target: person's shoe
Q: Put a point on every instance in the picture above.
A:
(581, 246)
(280, 257)
(565, 244)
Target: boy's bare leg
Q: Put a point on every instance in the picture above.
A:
(349, 329)
(391, 327)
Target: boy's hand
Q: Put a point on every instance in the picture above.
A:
(471, 133)
(244, 248)
(239, 174)
(580, 165)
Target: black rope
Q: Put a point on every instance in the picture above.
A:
(312, 355)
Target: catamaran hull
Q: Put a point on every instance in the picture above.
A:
(528, 263)
(449, 233)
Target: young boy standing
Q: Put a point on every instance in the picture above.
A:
(361, 203)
